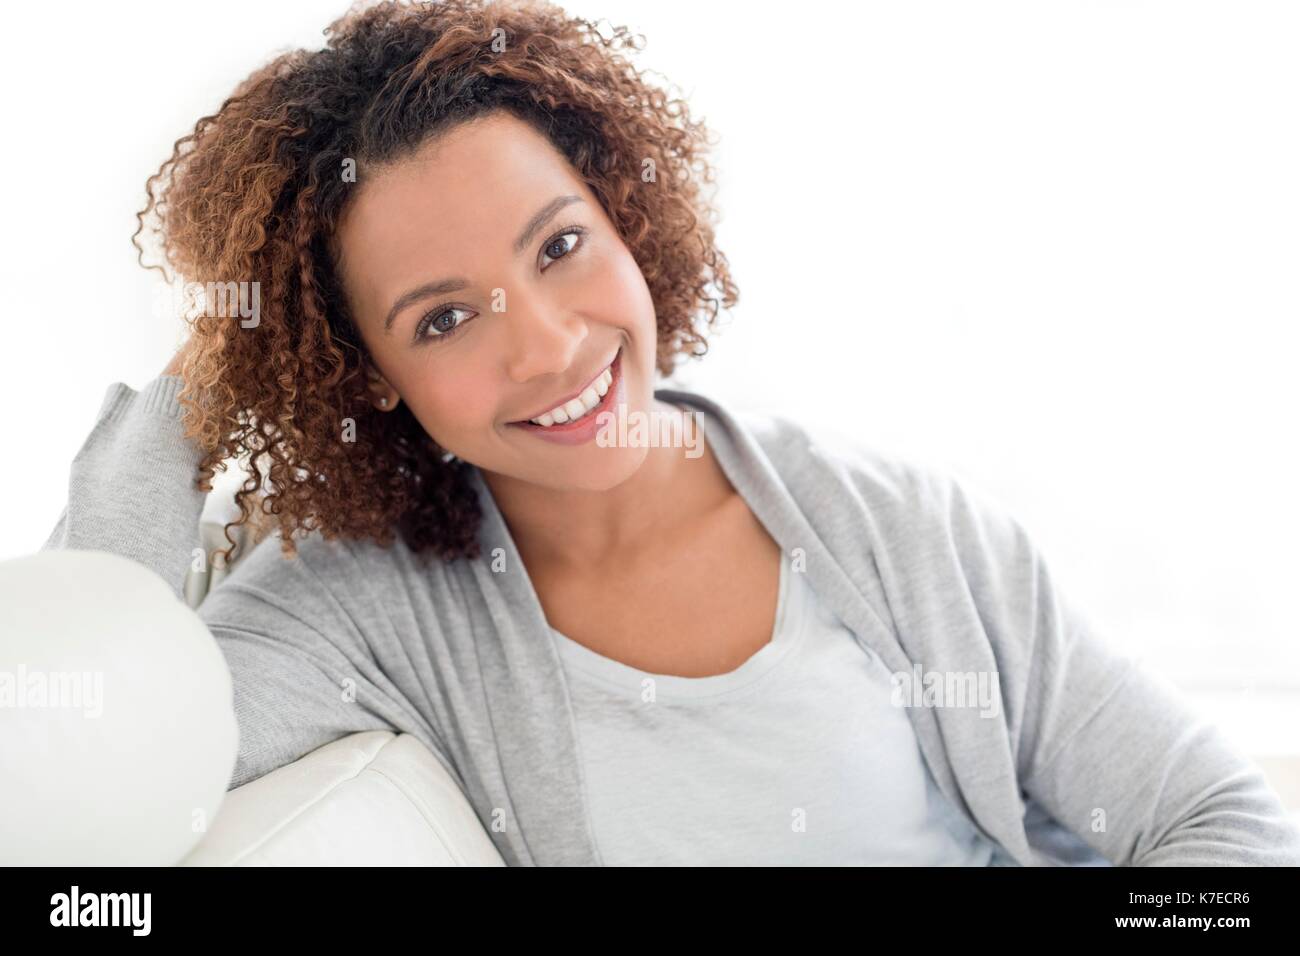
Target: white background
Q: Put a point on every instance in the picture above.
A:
(1050, 245)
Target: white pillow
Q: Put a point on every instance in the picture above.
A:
(117, 726)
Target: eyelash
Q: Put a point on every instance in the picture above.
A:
(430, 317)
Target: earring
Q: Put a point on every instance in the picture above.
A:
(384, 401)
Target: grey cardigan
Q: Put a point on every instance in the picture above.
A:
(1086, 759)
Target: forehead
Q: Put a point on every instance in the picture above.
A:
(459, 200)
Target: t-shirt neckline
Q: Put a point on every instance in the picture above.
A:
(623, 677)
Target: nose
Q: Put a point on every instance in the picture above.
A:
(543, 339)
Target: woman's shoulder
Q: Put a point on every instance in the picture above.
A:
(823, 455)
(906, 495)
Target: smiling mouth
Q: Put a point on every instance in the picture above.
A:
(581, 406)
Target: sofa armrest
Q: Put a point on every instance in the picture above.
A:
(369, 799)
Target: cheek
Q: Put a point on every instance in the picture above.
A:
(453, 404)
(616, 290)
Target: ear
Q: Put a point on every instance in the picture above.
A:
(382, 395)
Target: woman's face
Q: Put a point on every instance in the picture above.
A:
(489, 287)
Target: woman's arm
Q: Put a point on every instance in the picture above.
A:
(302, 675)
(1109, 749)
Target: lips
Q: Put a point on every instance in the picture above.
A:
(569, 398)
(585, 429)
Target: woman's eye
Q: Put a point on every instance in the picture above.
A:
(440, 324)
(561, 245)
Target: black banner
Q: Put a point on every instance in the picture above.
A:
(216, 906)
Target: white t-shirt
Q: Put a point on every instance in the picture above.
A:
(797, 757)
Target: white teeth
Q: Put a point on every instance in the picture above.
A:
(576, 408)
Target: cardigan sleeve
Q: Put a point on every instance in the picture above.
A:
(301, 675)
(1106, 746)
(131, 486)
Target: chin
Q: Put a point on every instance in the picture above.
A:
(596, 469)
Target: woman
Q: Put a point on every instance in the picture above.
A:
(464, 238)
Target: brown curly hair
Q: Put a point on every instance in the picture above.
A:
(255, 192)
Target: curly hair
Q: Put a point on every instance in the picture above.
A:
(254, 194)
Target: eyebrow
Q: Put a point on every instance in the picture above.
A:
(440, 286)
